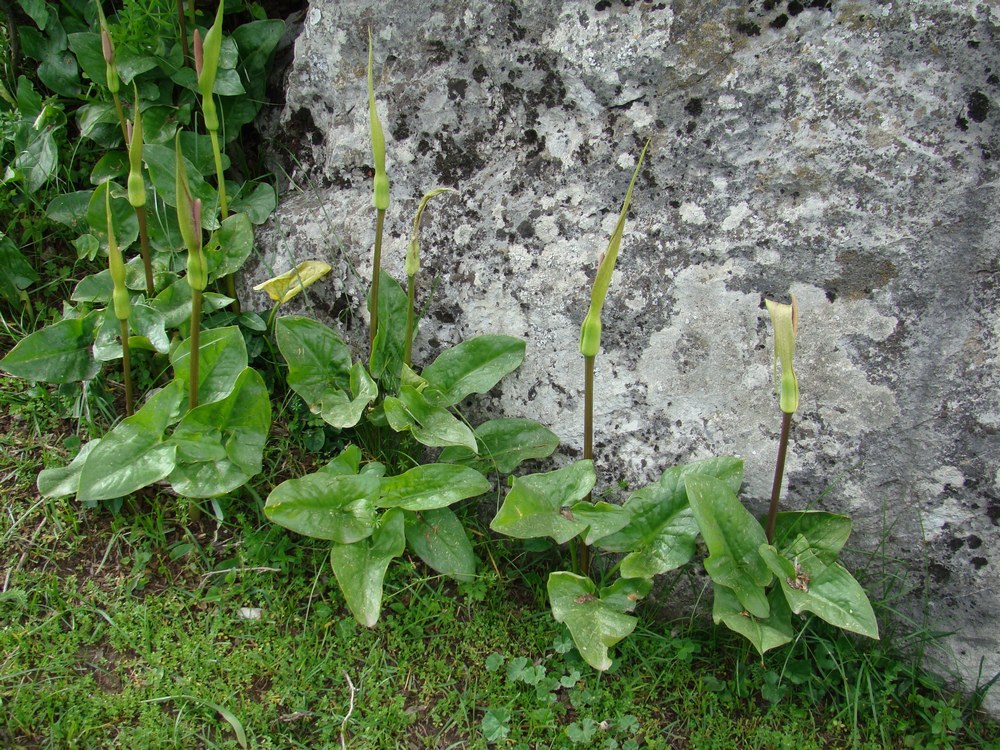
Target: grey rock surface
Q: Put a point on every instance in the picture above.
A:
(845, 152)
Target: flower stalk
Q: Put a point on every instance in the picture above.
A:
(206, 66)
(590, 332)
(120, 303)
(137, 191)
(189, 220)
(111, 68)
(380, 197)
(785, 319)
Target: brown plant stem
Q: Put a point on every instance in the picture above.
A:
(588, 441)
(779, 471)
(147, 262)
(182, 26)
(376, 270)
(127, 370)
(195, 343)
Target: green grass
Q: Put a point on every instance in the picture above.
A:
(144, 629)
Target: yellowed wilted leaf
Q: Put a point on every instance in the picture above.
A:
(285, 286)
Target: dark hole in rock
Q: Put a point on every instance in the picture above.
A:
(979, 106)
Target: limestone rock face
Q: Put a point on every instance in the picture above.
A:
(844, 152)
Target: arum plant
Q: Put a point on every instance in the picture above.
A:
(137, 190)
(120, 303)
(590, 330)
(206, 66)
(380, 194)
(388, 492)
(785, 319)
(656, 530)
(412, 267)
(189, 221)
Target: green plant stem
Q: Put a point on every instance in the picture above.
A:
(376, 269)
(147, 262)
(228, 281)
(121, 117)
(779, 471)
(127, 370)
(194, 353)
(411, 315)
(270, 318)
(182, 30)
(220, 180)
(588, 442)
(13, 42)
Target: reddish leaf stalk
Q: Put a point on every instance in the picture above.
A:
(779, 471)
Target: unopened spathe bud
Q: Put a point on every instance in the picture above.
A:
(785, 319)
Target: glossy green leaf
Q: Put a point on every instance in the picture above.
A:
(16, 273)
(601, 519)
(258, 204)
(37, 10)
(339, 508)
(431, 425)
(827, 590)
(86, 45)
(661, 532)
(346, 463)
(438, 538)
(230, 246)
(161, 161)
(221, 360)
(474, 366)
(431, 486)
(386, 359)
(134, 454)
(65, 480)
(108, 167)
(595, 622)
(504, 444)
(319, 362)
(59, 353)
(625, 593)
(125, 223)
(220, 445)
(150, 324)
(107, 347)
(764, 633)
(360, 567)
(131, 63)
(70, 209)
(174, 303)
(733, 537)
(343, 409)
(825, 534)
(539, 504)
(256, 42)
(159, 122)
